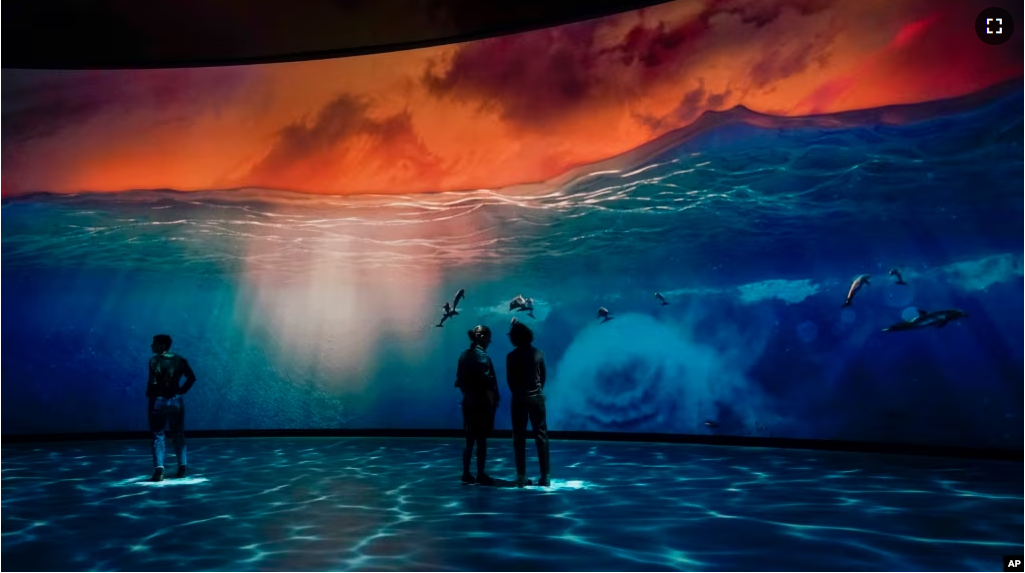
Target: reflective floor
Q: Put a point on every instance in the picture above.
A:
(396, 504)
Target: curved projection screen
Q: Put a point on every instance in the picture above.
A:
(296, 228)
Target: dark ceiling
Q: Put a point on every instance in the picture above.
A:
(101, 34)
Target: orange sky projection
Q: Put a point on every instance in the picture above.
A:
(486, 114)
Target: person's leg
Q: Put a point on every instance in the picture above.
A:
(487, 423)
(482, 459)
(519, 428)
(467, 477)
(467, 454)
(157, 425)
(538, 421)
(177, 423)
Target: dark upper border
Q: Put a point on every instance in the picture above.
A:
(741, 441)
(118, 34)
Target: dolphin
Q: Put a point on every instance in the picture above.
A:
(926, 319)
(445, 317)
(900, 279)
(450, 311)
(603, 313)
(517, 302)
(859, 282)
(660, 298)
(450, 308)
(527, 307)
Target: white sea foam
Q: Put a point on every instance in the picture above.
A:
(789, 291)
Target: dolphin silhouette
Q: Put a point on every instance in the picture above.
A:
(925, 319)
(900, 279)
(450, 308)
(859, 282)
(527, 307)
(449, 313)
(517, 302)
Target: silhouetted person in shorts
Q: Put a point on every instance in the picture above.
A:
(166, 406)
(526, 373)
(476, 378)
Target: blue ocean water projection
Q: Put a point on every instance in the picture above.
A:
(302, 311)
(329, 504)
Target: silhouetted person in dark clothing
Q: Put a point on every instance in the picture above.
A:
(475, 377)
(166, 406)
(526, 373)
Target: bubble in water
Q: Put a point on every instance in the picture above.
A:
(807, 331)
(909, 313)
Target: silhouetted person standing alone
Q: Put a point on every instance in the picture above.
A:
(166, 406)
(476, 378)
(526, 373)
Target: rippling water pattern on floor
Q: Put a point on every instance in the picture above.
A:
(387, 504)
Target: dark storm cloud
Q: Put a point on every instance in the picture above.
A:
(533, 78)
(530, 77)
(764, 12)
(36, 107)
(695, 97)
(716, 101)
(343, 120)
(791, 59)
(39, 104)
(338, 120)
(691, 106)
(656, 45)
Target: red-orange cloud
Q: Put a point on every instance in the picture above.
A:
(498, 112)
(935, 53)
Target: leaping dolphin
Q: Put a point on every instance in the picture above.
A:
(660, 298)
(900, 279)
(925, 319)
(450, 309)
(859, 282)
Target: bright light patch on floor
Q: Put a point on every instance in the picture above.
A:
(558, 484)
(168, 482)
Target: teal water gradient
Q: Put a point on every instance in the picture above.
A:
(301, 311)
